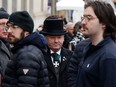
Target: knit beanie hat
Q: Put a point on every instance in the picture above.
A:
(23, 20)
(3, 13)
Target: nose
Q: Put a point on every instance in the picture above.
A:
(4, 30)
(84, 22)
(56, 39)
(9, 30)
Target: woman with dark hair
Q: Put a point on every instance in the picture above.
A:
(78, 36)
(77, 27)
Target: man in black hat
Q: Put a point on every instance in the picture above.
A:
(4, 45)
(57, 57)
(27, 67)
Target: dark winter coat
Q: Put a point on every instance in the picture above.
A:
(74, 62)
(65, 58)
(98, 66)
(27, 67)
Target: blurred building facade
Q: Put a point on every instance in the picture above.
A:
(38, 9)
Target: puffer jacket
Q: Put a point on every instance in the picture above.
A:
(27, 67)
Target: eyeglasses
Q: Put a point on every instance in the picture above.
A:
(87, 18)
(11, 26)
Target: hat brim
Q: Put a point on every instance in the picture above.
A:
(52, 34)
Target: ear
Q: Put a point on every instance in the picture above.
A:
(103, 26)
(26, 33)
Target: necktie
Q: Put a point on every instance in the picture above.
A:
(55, 56)
(55, 59)
(56, 64)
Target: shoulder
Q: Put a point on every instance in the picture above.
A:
(4, 50)
(110, 49)
(67, 51)
(30, 52)
(30, 48)
(84, 42)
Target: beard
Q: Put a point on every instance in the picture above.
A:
(13, 39)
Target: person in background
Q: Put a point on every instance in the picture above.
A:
(27, 67)
(4, 45)
(57, 57)
(70, 28)
(97, 67)
(77, 27)
(78, 36)
(3, 20)
(69, 34)
(64, 20)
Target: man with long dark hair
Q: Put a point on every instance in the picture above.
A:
(97, 66)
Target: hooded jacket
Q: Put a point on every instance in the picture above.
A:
(27, 67)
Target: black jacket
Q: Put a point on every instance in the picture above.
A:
(27, 67)
(97, 67)
(65, 58)
(74, 62)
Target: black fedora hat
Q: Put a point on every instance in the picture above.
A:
(53, 27)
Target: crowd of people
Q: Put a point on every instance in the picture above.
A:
(62, 54)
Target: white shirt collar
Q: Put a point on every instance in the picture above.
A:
(58, 52)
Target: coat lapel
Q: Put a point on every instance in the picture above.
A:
(64, 60)
(49, 62)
